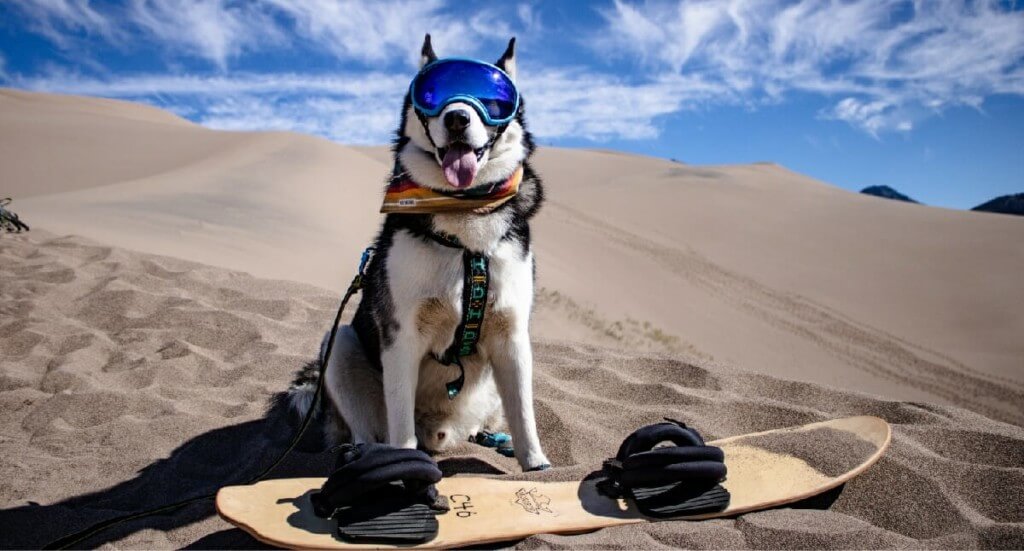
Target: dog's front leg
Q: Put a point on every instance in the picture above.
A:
(513, 374)
(401, 364)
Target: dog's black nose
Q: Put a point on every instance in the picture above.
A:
(456, 121)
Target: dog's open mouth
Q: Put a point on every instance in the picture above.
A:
(459, 163)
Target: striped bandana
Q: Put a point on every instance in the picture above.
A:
(405, 195)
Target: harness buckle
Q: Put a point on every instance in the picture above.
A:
(365, 258)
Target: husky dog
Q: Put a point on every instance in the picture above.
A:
(384, 382)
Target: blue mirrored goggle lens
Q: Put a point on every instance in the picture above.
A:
(444, 80)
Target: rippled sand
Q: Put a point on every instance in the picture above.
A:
(129, 380)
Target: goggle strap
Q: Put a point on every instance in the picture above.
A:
(426, 129)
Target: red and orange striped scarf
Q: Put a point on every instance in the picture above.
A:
(405, 195)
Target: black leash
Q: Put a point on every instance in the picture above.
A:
(10, 221)
(353, 288)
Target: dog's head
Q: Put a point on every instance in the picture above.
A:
(456, 149)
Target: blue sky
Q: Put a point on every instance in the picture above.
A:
(927, 97)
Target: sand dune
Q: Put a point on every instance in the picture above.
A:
(735, 298)
(233, 199)
(54, 143)
(130, 380)
(752, 266)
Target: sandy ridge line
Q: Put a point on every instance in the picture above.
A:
(873, 350)
(990, 377)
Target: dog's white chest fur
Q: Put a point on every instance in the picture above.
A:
(426, 283)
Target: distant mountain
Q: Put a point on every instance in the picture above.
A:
(1007, 204)
(886, 192)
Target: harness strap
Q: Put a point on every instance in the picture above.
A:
(476, 274)
(446, 239)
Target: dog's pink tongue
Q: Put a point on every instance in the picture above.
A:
(459, 165)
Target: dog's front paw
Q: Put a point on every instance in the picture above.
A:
(534, 462)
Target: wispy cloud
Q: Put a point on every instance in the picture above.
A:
(347, 107)
(372, 31)
(214, 30)
(341, 83)
(887, 63)
(884, 65)
(352, 120)
(219, 31)
(63, 22)
(362, 107)
(596, 106)
(210, 29)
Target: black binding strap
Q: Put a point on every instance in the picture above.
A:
(382, 494)
(673, 480)
(365, 469)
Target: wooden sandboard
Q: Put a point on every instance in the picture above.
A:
(766, 470)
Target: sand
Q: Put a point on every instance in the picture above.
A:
(751, 266)
(735, 298)
(130, 380)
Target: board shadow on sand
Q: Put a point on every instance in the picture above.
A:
(201, 465)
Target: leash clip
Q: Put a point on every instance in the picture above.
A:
(357, 281)
(365, 259)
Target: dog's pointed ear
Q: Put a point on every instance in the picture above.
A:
(507, 62)
(427, 54)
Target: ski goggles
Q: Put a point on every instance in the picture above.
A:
(482, 85)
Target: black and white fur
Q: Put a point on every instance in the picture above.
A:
(382, 382)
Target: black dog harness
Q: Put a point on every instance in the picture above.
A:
(476, 279)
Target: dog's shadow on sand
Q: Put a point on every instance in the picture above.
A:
(200, 466)
(223, 456)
